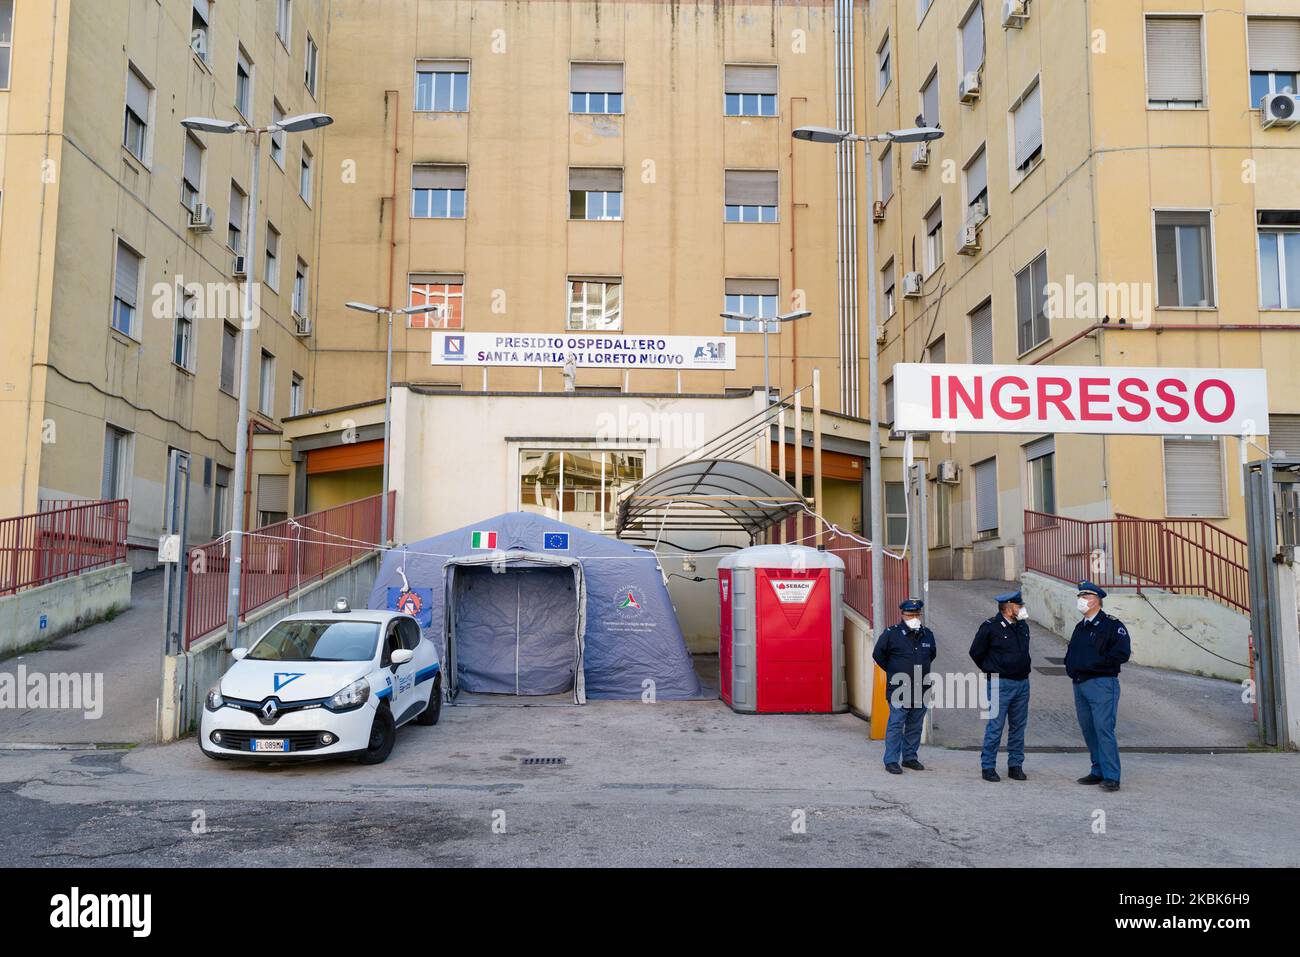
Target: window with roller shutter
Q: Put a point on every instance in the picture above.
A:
(1194, 477)
(749, 90)
(192, 173)
(1026, 131)
(985, 476)
(1284, 436)
(750, 195)
(981, 335)
(126, 288)
(438, 191)
(135, 130)
(596, 88)
(596, 193)
(972, 40)
(272, 498)
(1274, 44)
(1175, 63)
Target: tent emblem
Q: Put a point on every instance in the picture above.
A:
(556, 541)
(628, 599)
(483, 540)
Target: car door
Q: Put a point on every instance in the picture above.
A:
(424, 660)
(400, 679)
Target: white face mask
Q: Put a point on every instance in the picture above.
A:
(913, 623)
(1083, 605)
(1022, 614)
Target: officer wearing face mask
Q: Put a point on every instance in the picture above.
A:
(905, 652)
(1001, 651)
(1099, 645)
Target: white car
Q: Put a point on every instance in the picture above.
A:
(322, 685)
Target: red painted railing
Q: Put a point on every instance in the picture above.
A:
(278, 559)
(61, 540)
(1184, 555)
(802, 529)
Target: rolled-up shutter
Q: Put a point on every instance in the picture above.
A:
(750, 187)
(977, 176)
(1029, 125)
(1174, 63)
(429, 176)
(193, 161)
(1193, 477)
(930, 101)
(201, 7)
(972, 40)
(981, 334)
(437, 278)
(126, 279)
(1284, 435)
(986, 495)
(273, 493)
(596, 78)
(752, 287)
(596, 179)
(229, 340)
(750, 79)
(137, 95)
(1274, 44)
(1040, 447)
(442, 66)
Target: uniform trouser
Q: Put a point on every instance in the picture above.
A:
(1012, 711)
(1096, 702)
(903, 733)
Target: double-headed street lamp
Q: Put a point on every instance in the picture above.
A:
(766, 321)
(293, 124)
(388, 391)
(824, 134)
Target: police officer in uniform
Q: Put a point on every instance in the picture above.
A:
(1099, 645)
(905, 652)
(1001, 651)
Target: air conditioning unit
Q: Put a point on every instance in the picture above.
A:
(969, 89)
(978, 213)
(1279, 109)
(912, 285)
(921, 156)
(239, 267)
(970, 240)
(882, 335)
(201, 218)
(301, 326)
(948, 472)
(1014, 14)
(878, 212)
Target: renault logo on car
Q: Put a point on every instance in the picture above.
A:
(270, 709)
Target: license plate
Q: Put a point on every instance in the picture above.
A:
(270, 744)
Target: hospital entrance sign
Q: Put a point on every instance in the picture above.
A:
(1112, 400)
(591, 350)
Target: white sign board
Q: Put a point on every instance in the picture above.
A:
(594, 350)
(793, 591)
(931, 397)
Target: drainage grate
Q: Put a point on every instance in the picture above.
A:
(542, 761)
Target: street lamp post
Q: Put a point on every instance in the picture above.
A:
(823, 134)
(388, 392)
(784, 317)
(292, 124)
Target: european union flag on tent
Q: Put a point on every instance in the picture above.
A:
(556, 541)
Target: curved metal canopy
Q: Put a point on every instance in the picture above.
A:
(708, 495)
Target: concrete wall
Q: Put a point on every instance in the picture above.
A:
(858, 666)
(1219, 629)
(1288, 599)
(187, 677)
(67, 605)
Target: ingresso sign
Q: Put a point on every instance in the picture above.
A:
(592, 350)
(1096, 399)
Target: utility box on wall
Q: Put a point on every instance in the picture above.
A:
(781, 637)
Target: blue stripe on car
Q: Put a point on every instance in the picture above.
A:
(426, 674)
(385, 693)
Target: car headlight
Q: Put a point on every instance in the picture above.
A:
(215, 701)
(351, 697)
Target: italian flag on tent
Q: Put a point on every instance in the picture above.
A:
(483, 540)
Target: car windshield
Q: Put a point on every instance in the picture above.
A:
(317, 641)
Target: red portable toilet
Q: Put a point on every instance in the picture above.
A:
(781, 646)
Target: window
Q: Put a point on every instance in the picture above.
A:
(273, 501)
(442, 86)
(6, 41)
(221, 502)
(304, 175)
(295, 395)
(126, 288)
(284, 21)
(1194, 477)
(887, 173)
(596, 88)
(1274, 56)
(438, 192)
(578, 486)
(986, 497)
(309, 65)
(238, 214)
(749, 90)
(1175, 63)
(1279, 258)
(117, 447)
(750, 195)
(199, 21)
(895, 514)
(229, 356)
(439, 289)
(941, 531)
(266, 384)
(972, 40)
(595, 304)
(271, 274)
(934, 238)
(596, 193)
(751, 297)
(887, 284)
(884, 67)
(135, 133)
(977, 188)
(300, 289)
(937, 351)
(1032, 323)
(930, 100)
(1183, 260)
(922, 8)
(277, 138)
(1040, 467)
(192, 173)
(183, 333)
(1026, 132)
(1284, 436)
(981, 335)
(889, 401)
(244, 83)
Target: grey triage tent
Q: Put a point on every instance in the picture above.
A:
(523, 604)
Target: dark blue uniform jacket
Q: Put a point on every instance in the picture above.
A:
(1097, 648)
(899, 650)
(1001, 648)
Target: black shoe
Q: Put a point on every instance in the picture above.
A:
(1110, 785)
(914, 765)
(1090, 779)
(893, 769)
(1016, 774)
(988, 774)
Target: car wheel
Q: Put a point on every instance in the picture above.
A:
(382, 735)
(431, 714)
